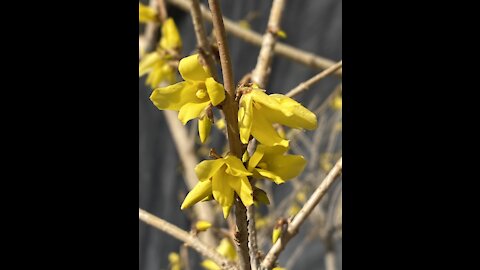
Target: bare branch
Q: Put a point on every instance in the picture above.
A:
(252, 238)
(315, 79)
(298, 220)
(262, 70)
(185, 237)
(292, 53)
(162, 10)
(205, 49)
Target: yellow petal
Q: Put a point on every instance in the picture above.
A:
(235, 166)
(242, 187)
(270, 175)
(207, 168)
(226, 211)
(156, 76)
(169, 73)
(277, 232)
(146, 14)
(192, 110)
(279, 268)
(226, 249)
(204, 127)
(255, 159)
(245, 157)
(263, 131)
(202, 225)
(245, 117)
(198, 193)
(268, 101)
(221, 191)
(192, 70)
(173, 97)
(147, 63)
(286, 167)
(215, 91)
(210, 265)
(170, 37)
(295, 115)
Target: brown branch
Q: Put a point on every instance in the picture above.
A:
(205, 49)
(185, 237)
(252, 238)
(298, 220)
(287, 51)
(230, 109)
(162, 10)
(262, 70)
(315, 79)
(146, 41)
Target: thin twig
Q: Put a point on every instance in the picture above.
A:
(205, 49)
(262, 70)
(185, 237)
(307, 84)
(146, 41)
(252, 238)
(162, 10)
(298, 220)
(230, 109)
(290, 52)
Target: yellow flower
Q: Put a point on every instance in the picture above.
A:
(226, 249)
(258, 111)
(221, 178)
(156, 63)
(146, 14)
(193, 96)
(158, 69)
(170, 39)
(279, 268)
(271, 162)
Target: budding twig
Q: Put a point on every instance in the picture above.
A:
(262, 70)
(298, 220)
(185, 237)
(315, 79)
(287, 51)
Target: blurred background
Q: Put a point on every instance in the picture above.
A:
(314, 26)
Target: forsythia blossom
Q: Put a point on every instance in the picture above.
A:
(157, 63)
(271, 162)
(259, 111)
(192, 97)
(221, 178)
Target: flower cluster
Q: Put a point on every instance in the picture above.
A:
(226, 176)
(159, 64)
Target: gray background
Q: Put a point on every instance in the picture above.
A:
(314, 26)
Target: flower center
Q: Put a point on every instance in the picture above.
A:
(201, 93)
(262, 165)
